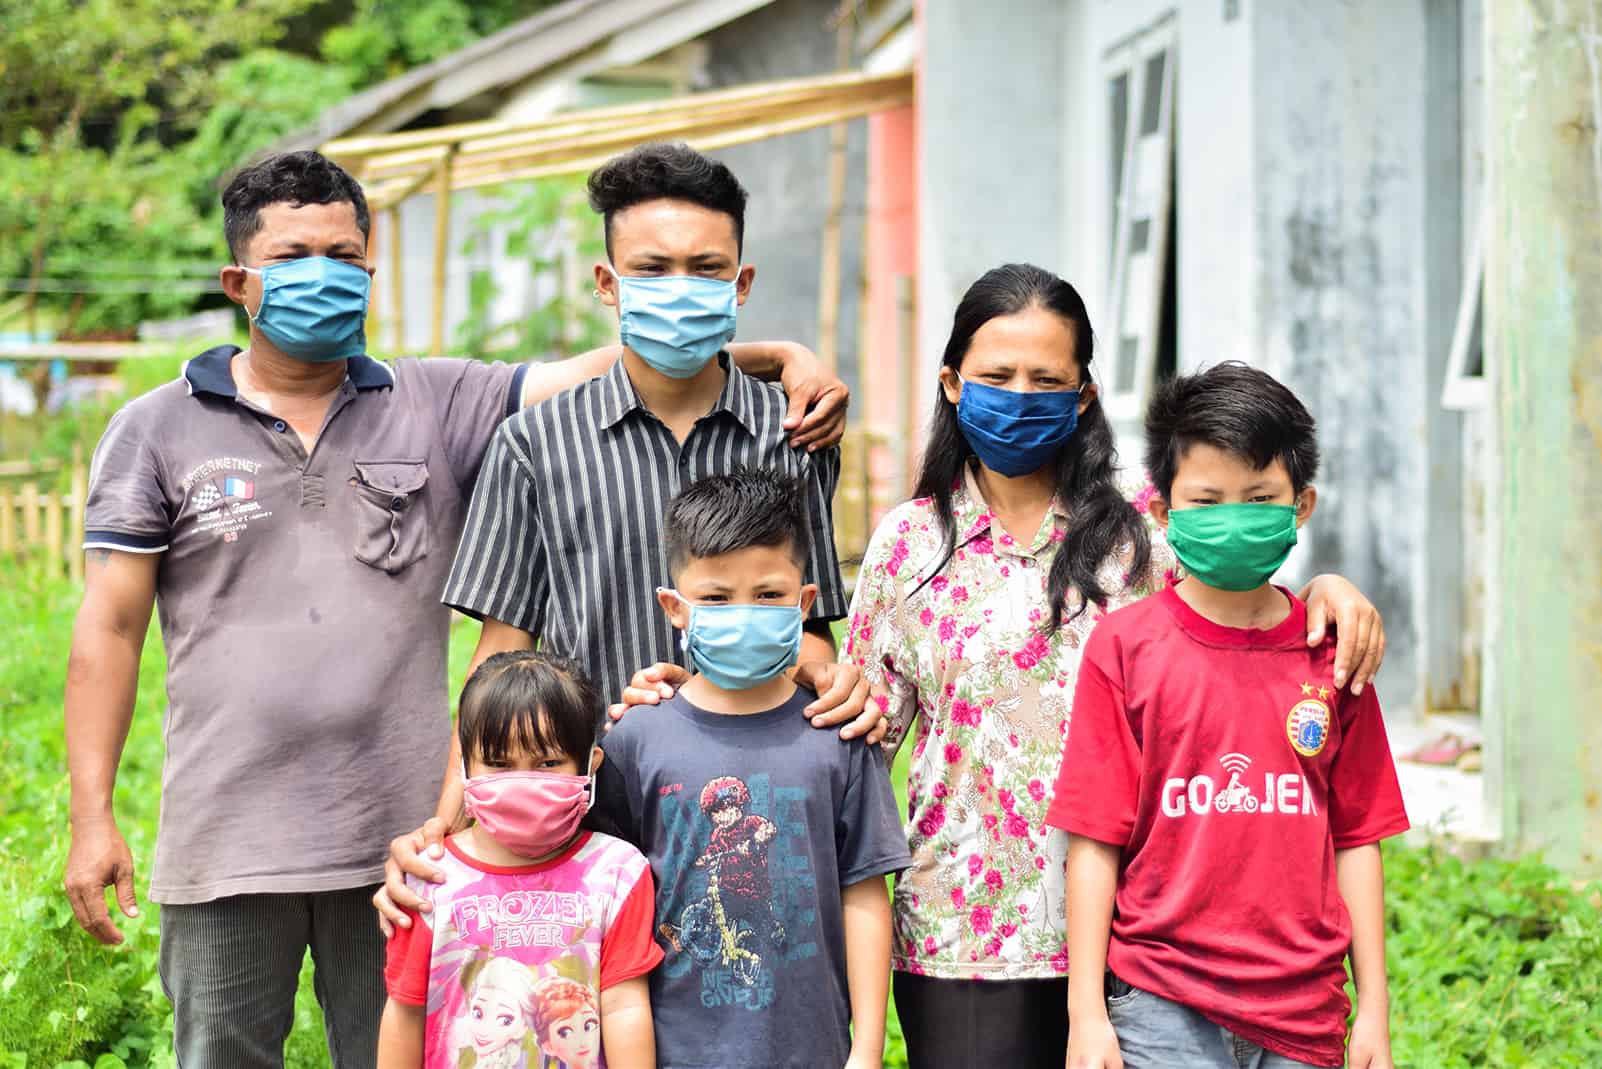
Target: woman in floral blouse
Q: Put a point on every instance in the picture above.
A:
(974, 601)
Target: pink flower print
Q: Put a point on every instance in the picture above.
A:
(1006, 539)
(1007, 799)
(903, 527)
(990, 821)
(953, 753)
(993, 948)
(1037, 790)
(932, 821)
(965, 712)
(898, 557)
(1008, 930)
(1033, 653)
(948, 628)
(958, 899)
(969, 632)
(883, 702)
(980, 920)
(1023, 910)
(1059, 961)
(975, 863)
(1057, 534)
(956, 652)
(926, 617)
(1142, 501)
(929, 945)
(994, 881)
(1017, 826)
(982, 546)
(1005, 571)
(1040, 863)
(939, 583)
(941, 790)
(950, 689)
(959, 593)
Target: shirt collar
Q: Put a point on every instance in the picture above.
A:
(974, 517)
(212, 372)
(739, 397)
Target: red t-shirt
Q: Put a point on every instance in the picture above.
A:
(511, 962)
(1230, 769)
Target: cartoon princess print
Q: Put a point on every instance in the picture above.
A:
(567, 1024)
(499, 1014)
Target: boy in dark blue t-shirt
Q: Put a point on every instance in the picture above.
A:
(769, 841)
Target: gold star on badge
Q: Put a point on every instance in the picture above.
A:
(1324, 693)
(1307, 690)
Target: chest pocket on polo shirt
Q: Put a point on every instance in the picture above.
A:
(392, 529)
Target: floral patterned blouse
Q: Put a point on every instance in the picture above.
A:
(961, 666)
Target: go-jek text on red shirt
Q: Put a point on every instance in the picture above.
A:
(1229, 768)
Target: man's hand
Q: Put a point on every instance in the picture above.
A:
(99, 858)
(1370, 1046)
(1092, 1044)
(409, 853)
(1359, 631)
(649, 686)
(818, 399)
(842, 699)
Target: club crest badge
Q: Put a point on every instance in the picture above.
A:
(1307, 726)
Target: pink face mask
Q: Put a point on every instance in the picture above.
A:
(529, 813)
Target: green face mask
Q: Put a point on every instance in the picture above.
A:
(1232, 547)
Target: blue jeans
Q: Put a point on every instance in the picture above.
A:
(1155, 1033)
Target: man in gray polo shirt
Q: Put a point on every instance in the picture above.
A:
(292, 510)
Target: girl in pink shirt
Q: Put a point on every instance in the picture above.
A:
(535, 948)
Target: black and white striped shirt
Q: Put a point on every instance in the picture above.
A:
(564, 536)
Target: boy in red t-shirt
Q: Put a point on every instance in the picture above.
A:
(1224, 799)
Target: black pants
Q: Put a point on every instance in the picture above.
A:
(231, 968)
(983, 1024)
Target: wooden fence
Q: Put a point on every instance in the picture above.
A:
(41, 522)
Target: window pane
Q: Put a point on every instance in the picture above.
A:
(1151, 106)
(1117, 141)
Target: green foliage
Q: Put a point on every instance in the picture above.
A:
(548, 226)
(388, 37)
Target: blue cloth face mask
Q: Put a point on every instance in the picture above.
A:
(676, 323)
(1015, 433)
(314, 309)
(738, 647)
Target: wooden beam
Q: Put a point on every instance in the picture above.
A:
(442, 251)
(397, 281)
(829, 260)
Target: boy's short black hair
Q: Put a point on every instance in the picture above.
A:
(1235, 408)
(288, 178)
(725, 513)
(663, 171)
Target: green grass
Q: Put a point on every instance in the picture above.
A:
(1492, 963)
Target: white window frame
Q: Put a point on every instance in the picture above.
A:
(1461, 390)
(1136, 280)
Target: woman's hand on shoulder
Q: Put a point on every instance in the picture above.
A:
(1359, 631)
(842, 699)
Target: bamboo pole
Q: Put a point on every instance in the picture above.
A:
(829, 261)
(8, 522)
(445, 136)
(442, 241)
(80, 494)
(397, 280)
(375, 244)
(30, 513)
(55, 538)
(907, 361)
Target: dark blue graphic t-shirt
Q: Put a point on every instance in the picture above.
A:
(752, 825)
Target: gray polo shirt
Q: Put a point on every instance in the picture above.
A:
(307, 720)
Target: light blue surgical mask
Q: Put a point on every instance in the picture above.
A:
(676, 323)
(738, 647)
(314, 309)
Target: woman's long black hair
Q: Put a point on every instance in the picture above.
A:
(1099, 519)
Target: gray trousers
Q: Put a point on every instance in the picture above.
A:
(1156, 1033)
(231, 968)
